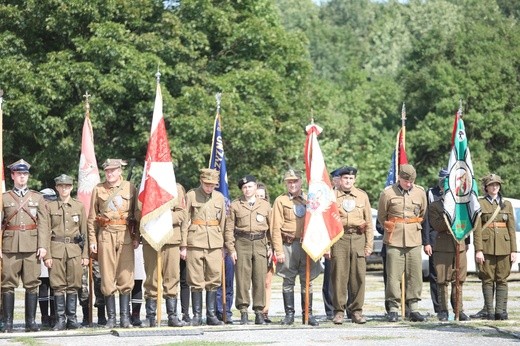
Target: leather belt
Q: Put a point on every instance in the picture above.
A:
(250, 235)
(205, 223)
(117, 222)
(21, 227)
(406, 219)
(288, 239)
(350, 230)
(65, 240)
(498, 225)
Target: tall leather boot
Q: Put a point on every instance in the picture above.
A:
(211, 317)
(110, 302)
(442, 292)
(101, 316)
(288, 303)
(135, 317)
(8, 311)
(462, 315)
(196, 306)
(70, 311)
(151, 309)
(501, 302)
(31, 302)
(312, 320)
(171, 309)
(124, 310)
(487, 289)
(86, 312)
(59, 306)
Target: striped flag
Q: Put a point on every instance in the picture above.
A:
(218, 159)
(322, 221)
(158, 188)
(88, 175)
(461, 204)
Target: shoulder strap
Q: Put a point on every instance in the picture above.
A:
(492, 218)
(113, 195)
(20, 207)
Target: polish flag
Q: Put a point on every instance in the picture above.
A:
(88, 176)
(158, 187)
(322, 221)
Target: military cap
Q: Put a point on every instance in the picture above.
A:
(346, 170)
(245, 180)
(491, 178)
(64, 180)
(443, 173)
(334, 173)
(49, 194)
(19, 166)
(407, 172)
(292, 175)
(209, 176)
(113, 163)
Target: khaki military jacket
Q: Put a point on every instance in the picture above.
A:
(355, 211)
(33, 214)
(444, 240)
(494, 240)
(247, 219)
(204, 227)
(121, 206)
(284, 219)
(66, 221)
(397, 203)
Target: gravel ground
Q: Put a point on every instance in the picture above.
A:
(376, 332)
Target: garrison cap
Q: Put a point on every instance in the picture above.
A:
(245, 180)
(113, 163)
(49, 194)
(292, 175)
(491, 178)
(64, 180)
(19, 166)
(407, 172)
(209, 176)
(347, 170)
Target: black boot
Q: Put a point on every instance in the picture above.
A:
(101, 316)
(86, 319)
(31, 301)
(110, 302)
(312, 320)
(72, 303)
(244, 318)
(8, 310)
(171, 309)
(124, 310)
(196, 305)
(259, 317)
(151, 309)
(59, 306)
(211, 318)
(135, 318)
(288, 303)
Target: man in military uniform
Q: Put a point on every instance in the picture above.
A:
(495, 246)
(67, 254)
(401, 210)
(170, 268)
(444, 249)
(113, 235)
(25, 241)
(202, 244)
(348, 263)
(287, 224)
(248, 221)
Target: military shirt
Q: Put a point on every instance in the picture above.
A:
(288, 217)
(31, 215)
(444, 239)
(354, 210)
(495, 240)
(208, 209)
(247, 218)
(396, 202)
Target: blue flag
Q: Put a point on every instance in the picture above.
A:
(218, 160)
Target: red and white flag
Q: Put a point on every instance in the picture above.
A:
(158, 186)
(88, 176)
(322, 221)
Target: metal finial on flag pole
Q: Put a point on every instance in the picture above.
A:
(403, 115)
(87, 101)
(460, 108)
(218, 97)
(158, 76)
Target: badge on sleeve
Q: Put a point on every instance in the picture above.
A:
(348, 205)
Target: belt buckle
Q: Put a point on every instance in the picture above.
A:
(66, 240)
(22, 227)
(251, 236)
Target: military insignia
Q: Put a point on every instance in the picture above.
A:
(299, 210)
(75, 218)
(505, 217)
(34, 212)
(116, 203)
(219, 213)
(348, 205)
(260, 218)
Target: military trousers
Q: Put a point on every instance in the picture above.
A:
(65, 274)
(251, 267)
(445, 266)
(348, 271)
(116, 262)
(170, 263)
(495, 269)
(295, 264)
(405, 260)
(204, 269)
(16, 266)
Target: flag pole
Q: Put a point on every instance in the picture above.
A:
(458, 290)
(403, 277)
(2, 167)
